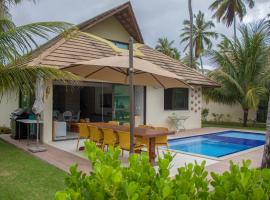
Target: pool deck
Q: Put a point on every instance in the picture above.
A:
(63, 154)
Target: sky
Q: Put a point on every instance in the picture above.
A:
(156, 18)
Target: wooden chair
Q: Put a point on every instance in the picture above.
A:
(96, 135)
(145, 141)
(116, 123)
(124, 142)
(83, 133)
(109, 137)
(126, 124)
(161, 140)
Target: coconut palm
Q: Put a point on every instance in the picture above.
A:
(165, 46)
(201, 35)
(190, 11)
(195, 63)
(16, 41)
(266, 154)
(228, 10)
(242, 67)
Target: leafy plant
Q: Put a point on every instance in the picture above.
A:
(218, 117)
(140, 180)
(241, 183)
(205, 113)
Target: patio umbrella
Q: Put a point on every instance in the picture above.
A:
(127, 70)
(115, 69)
(37, 109)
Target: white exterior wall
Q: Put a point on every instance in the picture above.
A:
(232, 113)
(157, 116)
(8, 104)
(47, 113)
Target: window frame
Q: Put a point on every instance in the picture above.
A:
(169, 106)
(116, 43)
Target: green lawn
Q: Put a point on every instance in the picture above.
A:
(24, 177)
(234, 125)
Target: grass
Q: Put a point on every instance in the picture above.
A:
(23, 176)
(234, 125)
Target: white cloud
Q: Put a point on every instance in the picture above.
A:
(260, 11)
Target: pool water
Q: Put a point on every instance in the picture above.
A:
(218, 144)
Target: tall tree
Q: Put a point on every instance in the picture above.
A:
(16, 41)
(190, 32)
(202, 35)
(186, 60)
(242, 67)
(266, 154)
(165, 46)
(228, 10)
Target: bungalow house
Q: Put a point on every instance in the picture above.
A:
(102, 36)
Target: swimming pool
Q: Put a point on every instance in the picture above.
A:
(218, 144)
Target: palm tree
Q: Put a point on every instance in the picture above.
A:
(266, 154)
(201, 35)
(227, 10)
(242, 66)
(18, 41)
(190, 11)
(195, 63)
(165, 46)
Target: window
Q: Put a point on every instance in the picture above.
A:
(176, 99)
(120, 45)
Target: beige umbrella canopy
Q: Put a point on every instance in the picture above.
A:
(115, 69)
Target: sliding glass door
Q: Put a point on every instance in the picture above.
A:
(121, 102)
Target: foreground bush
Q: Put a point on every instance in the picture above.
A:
(108, 180)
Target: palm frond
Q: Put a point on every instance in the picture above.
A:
(201, 30)
(22, 78)
(243, 67)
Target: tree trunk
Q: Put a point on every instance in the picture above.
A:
(190, 33)
(201, 65)
(245, 119)
(266, 153)
(234, 28)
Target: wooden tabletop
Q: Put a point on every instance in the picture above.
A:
(140, 132)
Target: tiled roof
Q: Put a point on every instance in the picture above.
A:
(81, 46)
(190, 75)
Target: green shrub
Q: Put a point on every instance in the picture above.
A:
(205, 113)
(139, 180)
(241, 183)
(4, 130)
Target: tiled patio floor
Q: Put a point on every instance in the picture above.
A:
(62, 154)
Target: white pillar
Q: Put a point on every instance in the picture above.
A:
(47, 113)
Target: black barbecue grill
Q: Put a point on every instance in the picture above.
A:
(14, 124)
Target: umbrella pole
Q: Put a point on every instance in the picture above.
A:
(37, 129)
(131, 92)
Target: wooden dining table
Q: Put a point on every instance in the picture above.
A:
(144, 133)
